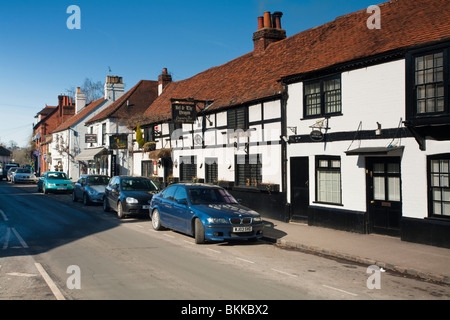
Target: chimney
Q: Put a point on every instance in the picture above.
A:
(63, 102)
(269, 31)
(163, 80)
(80, 100)
(114, 88)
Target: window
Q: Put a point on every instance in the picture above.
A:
(322, 97)
(211, 170)
(248, 170)
(180, 195)
(429, 83)
(188, 168)
(439, 197)
(328, 180)
(237, 118)
(386, 181)
(103, 134)
(149, 134)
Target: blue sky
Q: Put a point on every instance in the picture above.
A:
(41, 58)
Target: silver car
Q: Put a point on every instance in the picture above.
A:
(90, 188)
(25, 175)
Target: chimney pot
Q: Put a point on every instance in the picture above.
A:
(267, 20)
(260, 22)
(163, 80)
(277, 19)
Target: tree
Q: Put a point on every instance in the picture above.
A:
(93, 90)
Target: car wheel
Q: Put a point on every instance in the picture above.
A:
(199, 232)
(156, 221)
(74, 197)
(105, 205)
(120, 213)
(86, 200)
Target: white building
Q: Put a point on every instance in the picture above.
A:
(343, 125)
(69, 139)
(112, 124)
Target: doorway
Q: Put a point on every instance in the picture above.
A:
(384, 197)
(299, 188)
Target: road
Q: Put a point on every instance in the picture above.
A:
(52, 248)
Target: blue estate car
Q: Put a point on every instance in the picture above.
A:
(54, 181)
(205, 212)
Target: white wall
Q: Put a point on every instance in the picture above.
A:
(369, 95)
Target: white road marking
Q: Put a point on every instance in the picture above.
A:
(245, 260)
(58, 295)
(5, 218)
(169, 236)
(213, 250)
(190, 242)
(343, 291)
(20, 274)
(282, 272)
(22, 242)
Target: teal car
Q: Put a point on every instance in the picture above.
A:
(55, 181)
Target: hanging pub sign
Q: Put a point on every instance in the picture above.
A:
(118, 141)
(316, 135)
(90, 138)
(183, 111)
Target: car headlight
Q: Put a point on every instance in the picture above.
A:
(217, 220)
(257, 219)
(92, 192)
(131, 200)
(51, 184)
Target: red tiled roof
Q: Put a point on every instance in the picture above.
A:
(79, 116)
(139, 98)
(404, 24)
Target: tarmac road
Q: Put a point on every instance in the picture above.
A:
(49, 245)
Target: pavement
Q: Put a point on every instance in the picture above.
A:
(390, 253)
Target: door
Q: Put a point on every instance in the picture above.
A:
(384, 195)
(299, 187)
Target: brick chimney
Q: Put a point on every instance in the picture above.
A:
(80, 100)
(65, 107)
(163, 80)
(269, 31)
(114, 88)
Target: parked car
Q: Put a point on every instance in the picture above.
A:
(4, 171)
(11, 173)
(25, 175)
(205, 212)
(129, 195)
(54, 181)
(90, 188)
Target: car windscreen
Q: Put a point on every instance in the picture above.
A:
(95, 181)
(210, 195)
(56, 175)
(23, 171)
(138, 185)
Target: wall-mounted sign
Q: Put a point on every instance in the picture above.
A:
(316, 135)
(90, 138)
(118, 141)
(183, 112)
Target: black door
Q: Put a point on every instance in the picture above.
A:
(299, 188)
(384, 195)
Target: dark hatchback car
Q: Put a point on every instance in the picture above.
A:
(129, 195)
(205, 212)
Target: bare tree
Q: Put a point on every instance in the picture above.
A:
(93, 90)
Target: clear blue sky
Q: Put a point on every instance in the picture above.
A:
(41, 58)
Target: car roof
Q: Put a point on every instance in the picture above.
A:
(194, 185)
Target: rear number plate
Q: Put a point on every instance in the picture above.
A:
(242, 229)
